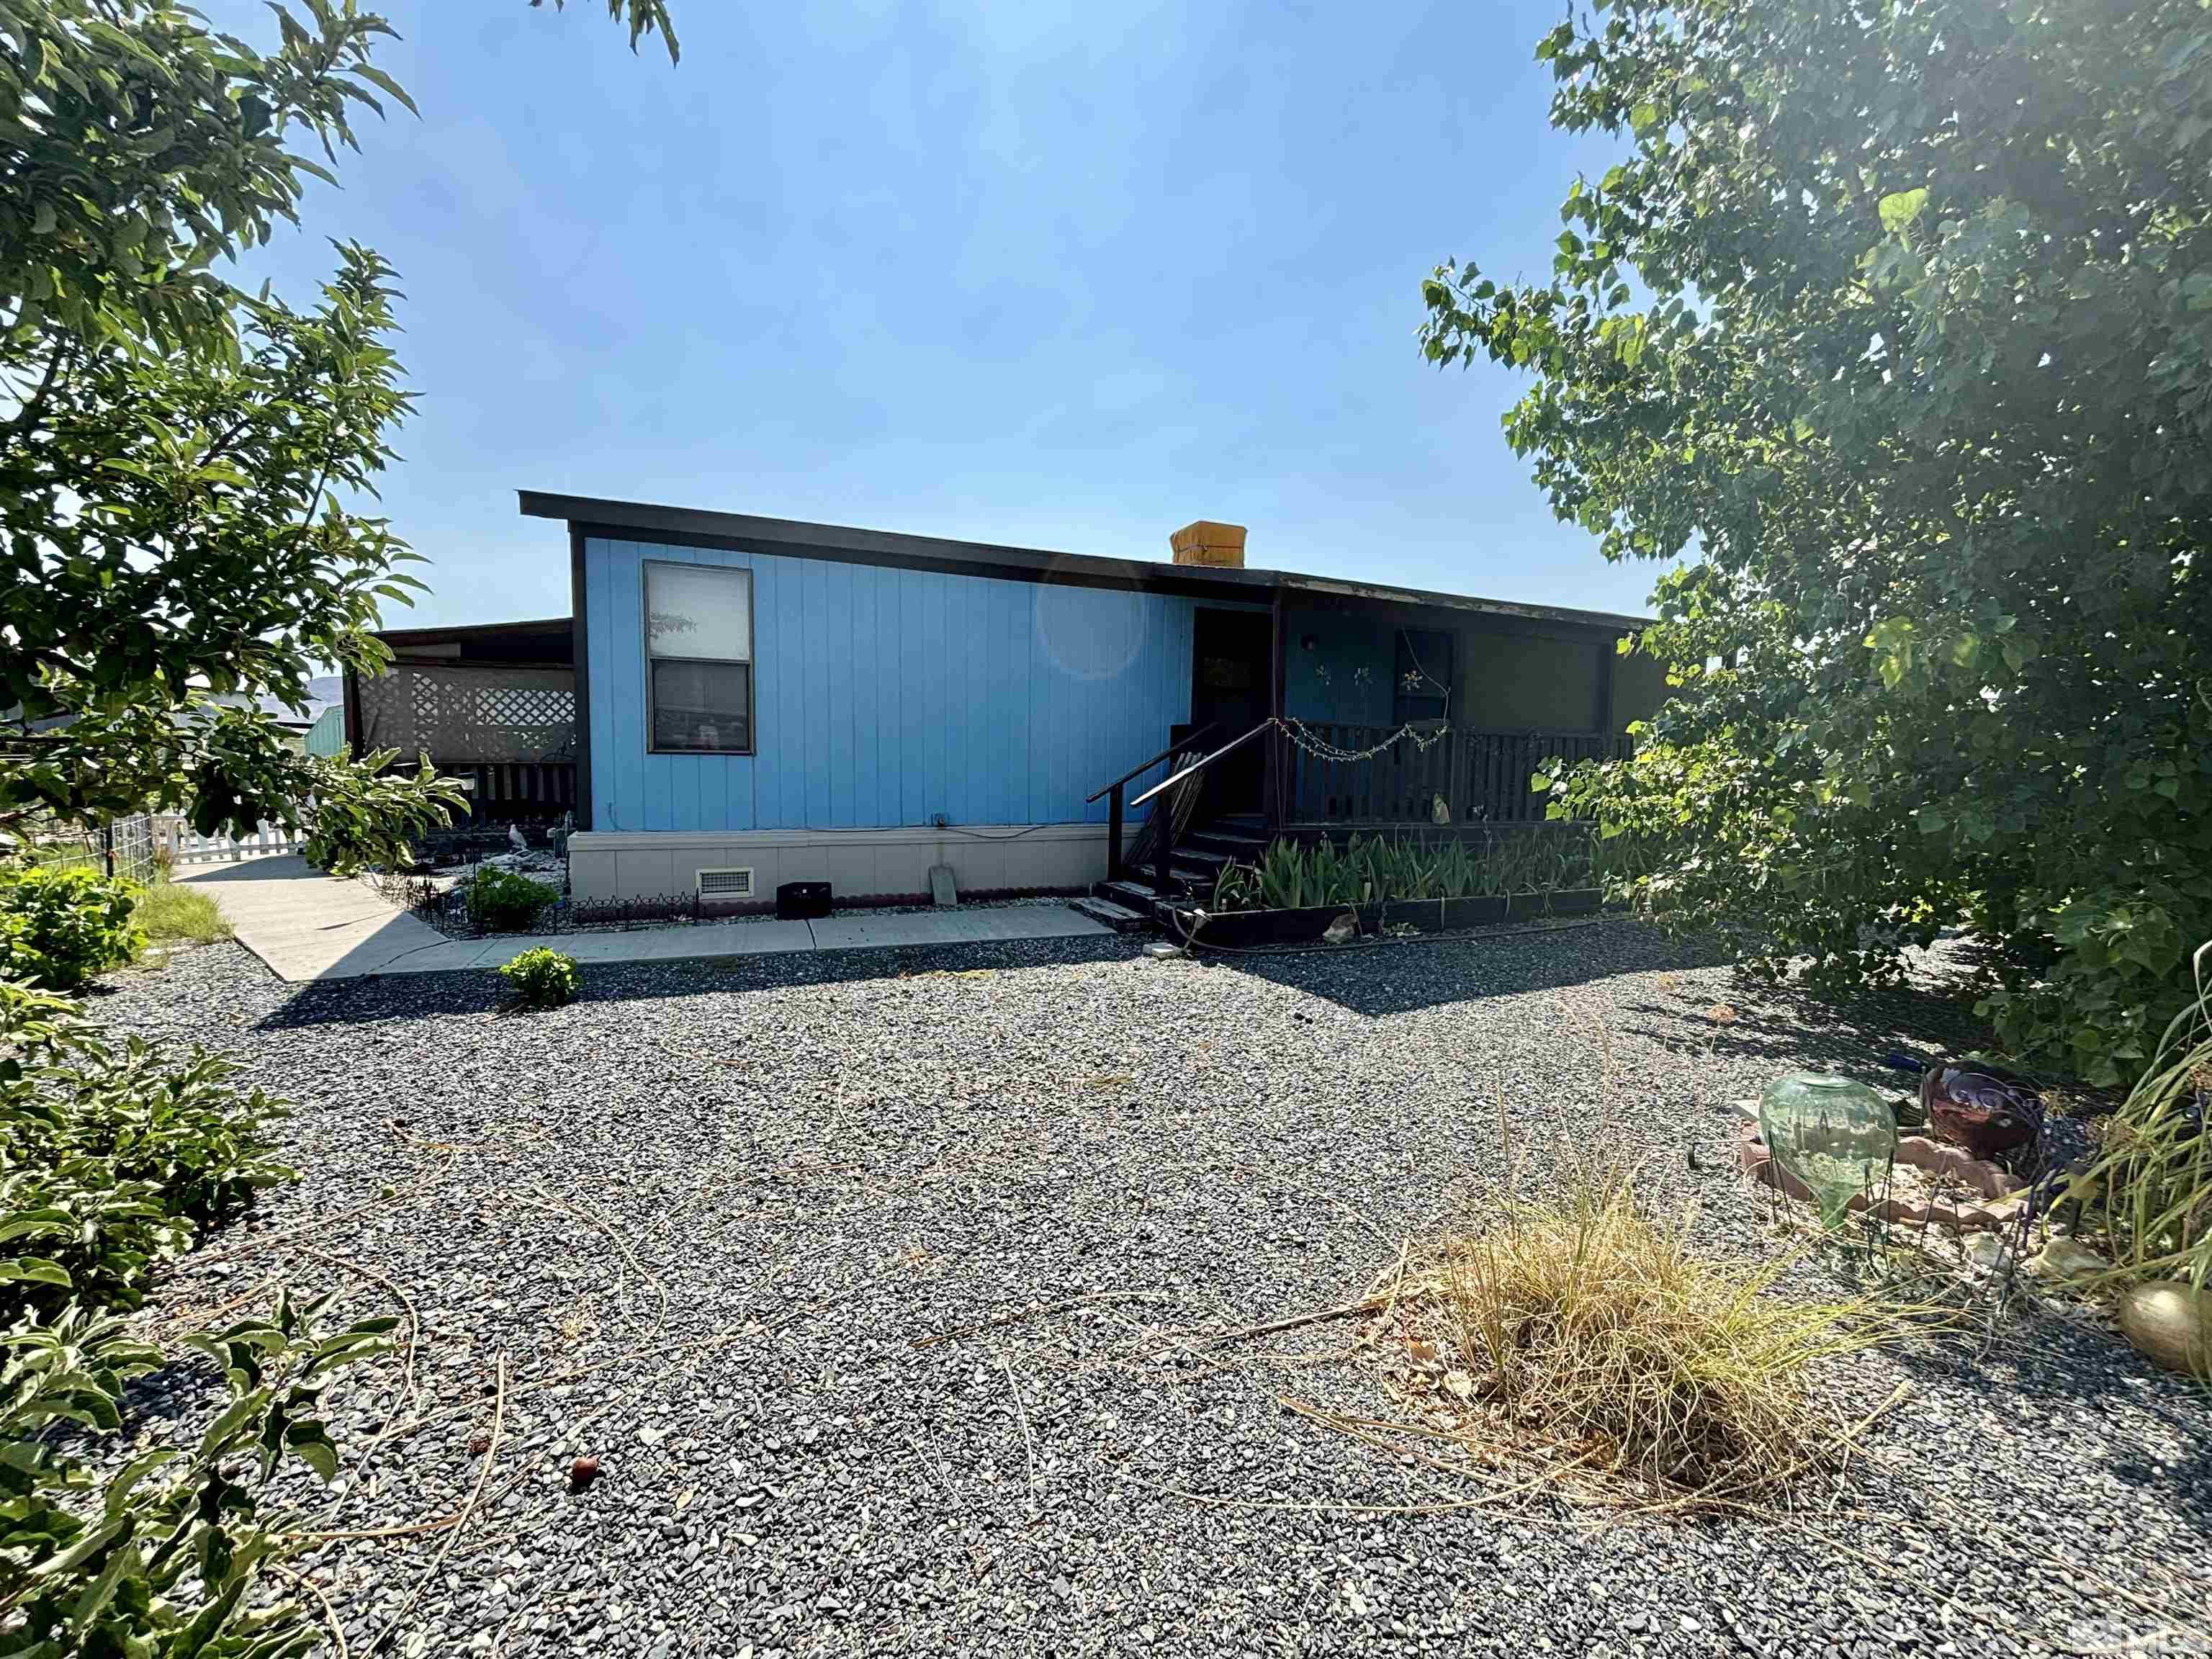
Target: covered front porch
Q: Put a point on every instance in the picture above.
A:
(1385, 711)
(1337, 708)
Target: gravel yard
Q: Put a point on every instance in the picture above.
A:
(877, 1285)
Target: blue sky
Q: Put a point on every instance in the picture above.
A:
(1060, 276)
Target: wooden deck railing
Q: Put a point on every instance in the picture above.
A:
(1482, 776)
(504, 792)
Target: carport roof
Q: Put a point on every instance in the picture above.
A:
(597, 516)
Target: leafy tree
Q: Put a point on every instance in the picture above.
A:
(1896, 320)
(179, 462)
(183, 465)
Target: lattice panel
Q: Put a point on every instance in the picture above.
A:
(457, 715)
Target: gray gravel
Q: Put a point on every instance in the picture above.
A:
(819, 1162)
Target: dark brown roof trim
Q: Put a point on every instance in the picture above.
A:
(684, 527)
(398, 636)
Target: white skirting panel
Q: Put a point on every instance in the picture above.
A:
(858, 863)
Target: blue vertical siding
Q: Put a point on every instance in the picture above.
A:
(885, 696)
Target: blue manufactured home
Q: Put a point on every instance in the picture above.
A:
(759, 700)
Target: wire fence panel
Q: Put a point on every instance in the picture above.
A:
(144, 846)
(127, 848)
(124, 848)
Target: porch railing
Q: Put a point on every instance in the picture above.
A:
(502, 792)
(1482, 776)
(1118, 790)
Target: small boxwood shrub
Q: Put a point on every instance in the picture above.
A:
(543, 978)
(59, 927)
(502, 902)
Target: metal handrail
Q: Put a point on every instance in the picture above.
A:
(1148, 765)
(1197, 766)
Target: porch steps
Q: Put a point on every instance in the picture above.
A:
(1191, 874)
(1134, 896)
(1200, 862)
(1217, 849)
(1121, 919)
(1241, 839)
(1200, 854)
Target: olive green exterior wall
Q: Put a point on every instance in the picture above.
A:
(1531, 682)
(1341, 663)
(1639, 686)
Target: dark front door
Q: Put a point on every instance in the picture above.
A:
(1232, 672)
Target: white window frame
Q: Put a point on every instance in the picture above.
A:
(737, 572)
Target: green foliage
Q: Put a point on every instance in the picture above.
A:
(60, 926)
(175, 914)
(111, 1158)
(179, 536)
(180, 455)
(111, 1161)
(170, 1557)
(1374, 869)
(543, 978)
(644, 17)
(1897, 325)
(503, 900)
(356, 815)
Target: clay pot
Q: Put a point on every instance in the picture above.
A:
(2171, 1324)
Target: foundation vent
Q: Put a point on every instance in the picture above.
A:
(725, 884)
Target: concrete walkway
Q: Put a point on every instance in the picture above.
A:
(308, 925)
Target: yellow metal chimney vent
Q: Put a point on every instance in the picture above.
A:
(1221, 545)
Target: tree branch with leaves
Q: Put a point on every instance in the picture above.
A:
(188, 472)
(1895, 326)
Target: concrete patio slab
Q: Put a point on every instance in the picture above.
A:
(307, 927)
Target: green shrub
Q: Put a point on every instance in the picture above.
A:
(543, 978)
(112, 1160)
(173, 1557)
(2151, 1184)
(59, 927)
(502, 902)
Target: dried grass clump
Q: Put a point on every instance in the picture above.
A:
(2154, 1168)
(1589, 1326)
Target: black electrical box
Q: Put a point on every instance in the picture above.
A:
(802, 901)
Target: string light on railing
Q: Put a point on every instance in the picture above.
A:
(1321, 749)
